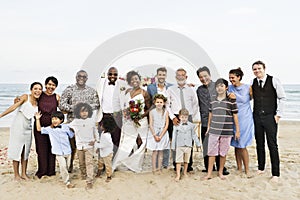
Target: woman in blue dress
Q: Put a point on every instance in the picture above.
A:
(243, 94)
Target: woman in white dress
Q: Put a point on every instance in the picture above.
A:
(21, 129)
(134, 132)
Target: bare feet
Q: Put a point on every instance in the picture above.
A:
(89, 186)
(177, 178)
(205, 178)
(249, 175)
(25, 177)
(222, 177)
(70, 185)
(274, 179)
(18, 178)
(108, 179)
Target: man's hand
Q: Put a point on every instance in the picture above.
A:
(176, 121)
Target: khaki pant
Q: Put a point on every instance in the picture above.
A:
(107, 162)
(64, 162)
(86, 164)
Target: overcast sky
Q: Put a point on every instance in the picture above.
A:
(42, 38)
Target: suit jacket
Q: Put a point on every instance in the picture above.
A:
(152, 89)
(100, 88)
(184, 135)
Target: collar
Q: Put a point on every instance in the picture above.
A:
(263, 79)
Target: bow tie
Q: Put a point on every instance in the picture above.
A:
(111, 83)
(184, 123)
(59, 126)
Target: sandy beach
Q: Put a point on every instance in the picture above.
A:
(129, 185)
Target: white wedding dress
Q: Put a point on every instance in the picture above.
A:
(128, 154)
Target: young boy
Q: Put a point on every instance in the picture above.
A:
(105, 148)
(59, 135)
(222, 115)
(86, 134)
(183, 136)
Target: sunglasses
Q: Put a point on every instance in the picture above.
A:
(80, 76)
(110, 74)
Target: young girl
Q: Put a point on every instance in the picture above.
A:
(86, 134)
(159, 136)
(21, 129)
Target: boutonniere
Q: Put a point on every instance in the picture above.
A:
(122, 88)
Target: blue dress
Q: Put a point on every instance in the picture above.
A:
(244, 115)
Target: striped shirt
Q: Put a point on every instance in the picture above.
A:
(222, 116)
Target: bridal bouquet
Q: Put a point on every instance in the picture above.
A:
(135, 111)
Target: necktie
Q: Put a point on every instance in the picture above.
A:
(59, 126)
(260, 84)
(181, 98)
(111, 83)
(184, 123)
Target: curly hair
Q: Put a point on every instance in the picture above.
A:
(82, 107)
(130, 74)
(108, 124)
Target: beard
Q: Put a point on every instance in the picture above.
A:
(182, 82)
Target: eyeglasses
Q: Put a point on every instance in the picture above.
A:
(110, 74)
(81, 76)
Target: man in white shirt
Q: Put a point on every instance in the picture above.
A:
(105, 90)
(182, 96)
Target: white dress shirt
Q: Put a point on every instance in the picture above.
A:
(190, 100)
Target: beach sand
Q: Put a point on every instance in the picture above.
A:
(129, 185)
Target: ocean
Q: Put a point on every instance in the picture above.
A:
(9, 91)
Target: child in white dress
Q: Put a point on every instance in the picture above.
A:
(158, 131)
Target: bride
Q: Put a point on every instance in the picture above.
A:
(134, 131)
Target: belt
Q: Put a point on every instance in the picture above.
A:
(107, 114)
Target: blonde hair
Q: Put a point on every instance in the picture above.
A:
(183, 111)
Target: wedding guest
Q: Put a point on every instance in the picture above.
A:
(269, 100)
(105, 148)
(21, 129)
(181, 96)
(206, 93)
(48, 103)
(86, 135)
(73, 94)
(183, 136)
(243, 93)
(158, 139)
(222, 115)
(59, 135)
(160, 87)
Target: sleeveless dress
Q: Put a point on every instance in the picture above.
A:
(125, 156)
(21, 131)
(159, 122)
(245, 116)
(46, 160)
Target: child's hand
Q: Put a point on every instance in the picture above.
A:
(237, 135)
(198, 148)
(38, 115)
(157, 138)
(206, 132)
(97, 150)
(91, 143)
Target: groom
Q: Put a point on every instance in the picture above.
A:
(105, 89)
